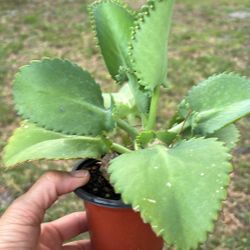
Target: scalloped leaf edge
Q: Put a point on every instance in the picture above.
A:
(119, 77)
(160, 231)
(143, 14)
(185, 105)
(25, 123)
(26, 117)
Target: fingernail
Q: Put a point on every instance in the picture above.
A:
(80, 173)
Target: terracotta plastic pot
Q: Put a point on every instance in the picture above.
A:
(114, 225)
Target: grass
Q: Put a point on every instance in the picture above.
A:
(204, 41)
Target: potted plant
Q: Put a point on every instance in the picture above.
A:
(176, 177)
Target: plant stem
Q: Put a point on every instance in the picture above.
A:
(153, 109)
(128, 128)
(119, 148)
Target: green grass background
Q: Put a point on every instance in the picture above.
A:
(204, 40)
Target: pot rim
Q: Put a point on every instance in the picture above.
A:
(81, 193)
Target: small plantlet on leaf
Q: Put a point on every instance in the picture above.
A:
(177, 176)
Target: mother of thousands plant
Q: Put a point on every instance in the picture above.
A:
(175, 177)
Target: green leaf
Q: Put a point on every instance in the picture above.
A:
(123, 102)
(229, 135)
(124, 97)
(112, 22)
(165, 136)
(148, 49)
(30, 142)
(145, 137)
(177, 190)
(217, 102)
(60, 96)
(142, 97)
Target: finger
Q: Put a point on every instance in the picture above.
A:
(68, 226)
(78, 245)
(30, 207)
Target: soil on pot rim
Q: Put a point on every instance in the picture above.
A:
(98, 185)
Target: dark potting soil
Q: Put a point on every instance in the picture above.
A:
(98, 184)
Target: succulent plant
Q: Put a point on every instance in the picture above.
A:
(176, 176)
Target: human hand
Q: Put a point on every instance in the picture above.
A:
(21, 226)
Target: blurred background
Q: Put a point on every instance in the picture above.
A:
(207, 37)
